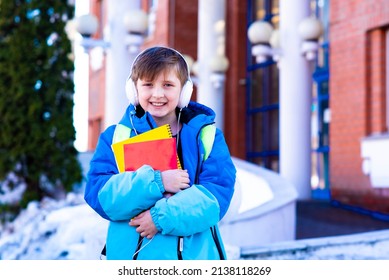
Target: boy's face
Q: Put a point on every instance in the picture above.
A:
(160, 97)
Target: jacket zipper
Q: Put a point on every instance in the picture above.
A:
(217, 242)
(138, 246)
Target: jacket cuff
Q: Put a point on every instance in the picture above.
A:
(154, 217)
(158, 180)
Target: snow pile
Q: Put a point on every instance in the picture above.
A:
(373, 245)
(9, 194)
(51, 230)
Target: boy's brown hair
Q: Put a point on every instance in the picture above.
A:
(156, 60)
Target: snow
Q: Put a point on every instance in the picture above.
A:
(52, 230)
(372, 245)
(255, 187)
(10, 195)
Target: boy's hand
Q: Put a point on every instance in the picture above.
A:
(144, 225)
(175, 180)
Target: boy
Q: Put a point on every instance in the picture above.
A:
(145, 223)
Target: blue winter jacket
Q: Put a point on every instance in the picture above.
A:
(187, 221)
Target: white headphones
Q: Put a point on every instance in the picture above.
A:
(185, 94)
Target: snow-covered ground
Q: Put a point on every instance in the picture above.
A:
(372, 245)
(52, 230)
(70, 230)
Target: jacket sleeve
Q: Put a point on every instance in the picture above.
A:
(202, 205)
(187, 212)
(119, 196)
(218, 173)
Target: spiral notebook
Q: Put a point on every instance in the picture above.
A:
(161, 132)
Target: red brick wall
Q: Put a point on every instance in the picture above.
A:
(235, 88)
(96, 96)
(357, 91)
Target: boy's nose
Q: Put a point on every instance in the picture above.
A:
(158, 92)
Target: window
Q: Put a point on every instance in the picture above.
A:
(263, 96)
(377, 118)
(321, 116)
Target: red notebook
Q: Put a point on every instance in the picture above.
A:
(159, 154)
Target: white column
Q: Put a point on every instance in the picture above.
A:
(209, 13)
(118, 61)
(295, 100)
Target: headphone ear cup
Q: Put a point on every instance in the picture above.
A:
(131, 92)
(185, 95)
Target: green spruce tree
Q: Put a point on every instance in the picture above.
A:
(36, 98)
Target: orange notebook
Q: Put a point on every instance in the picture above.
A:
(160, 154)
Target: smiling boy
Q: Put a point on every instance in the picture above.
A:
(145, 223)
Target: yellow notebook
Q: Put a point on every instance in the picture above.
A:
(161, 132)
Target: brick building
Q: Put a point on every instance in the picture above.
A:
(359, 103)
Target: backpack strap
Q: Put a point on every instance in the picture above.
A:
(207, 137)
(121, 133)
